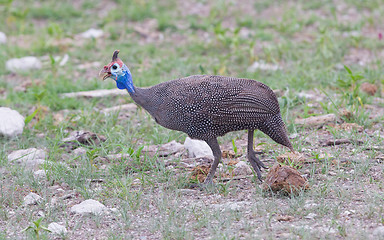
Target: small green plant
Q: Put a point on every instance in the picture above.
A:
(226, 36)
(53, 65)
(352, 85)
(134, 199)
(234, 146)
(341, 228)
(36, 226)
(223, 188)
(54, 30)
(135, 153)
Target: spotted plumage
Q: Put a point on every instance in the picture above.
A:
(205, 107)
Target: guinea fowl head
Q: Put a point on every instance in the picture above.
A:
(119, 72)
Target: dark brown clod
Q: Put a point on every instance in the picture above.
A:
(285, 179)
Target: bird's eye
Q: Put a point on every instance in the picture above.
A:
(114, 67)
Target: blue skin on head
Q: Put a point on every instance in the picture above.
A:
(123, 79)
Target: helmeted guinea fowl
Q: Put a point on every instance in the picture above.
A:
(205, 107)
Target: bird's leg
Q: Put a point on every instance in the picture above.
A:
(217, 155)
(255, 161)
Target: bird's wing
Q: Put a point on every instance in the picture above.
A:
(246, 107)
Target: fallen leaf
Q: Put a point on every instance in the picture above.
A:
(200, 172)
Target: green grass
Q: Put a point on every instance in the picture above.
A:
(310, 40)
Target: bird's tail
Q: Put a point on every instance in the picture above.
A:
(274, 127)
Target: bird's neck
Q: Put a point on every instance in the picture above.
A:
(143, 97)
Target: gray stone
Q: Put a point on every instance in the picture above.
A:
(56, 228)
(89, 206)
(197, 148)
(3, 38)
(241, 168)
(30, 157)
(81, 151)
(32, 198)
(379, 232)
(23, 64)
(11, 122)
(40, 174)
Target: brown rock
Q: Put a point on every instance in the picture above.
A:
(368, 88)
(285, 179)
(316, 121)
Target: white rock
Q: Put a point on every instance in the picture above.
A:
(114, 210)
(57, 228)
(11, 122)
(92, 33)
(242, 168)
(64, 60)
(3, 38)
(40, 214)
(30, 157)
(89, 206)
(32, 198)
(311, 216)
(262, 66)
(379, 232)
(40, 174)
(197, 148)
(310, 204)
(23, 64)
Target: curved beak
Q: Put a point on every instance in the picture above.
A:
(105, 73)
